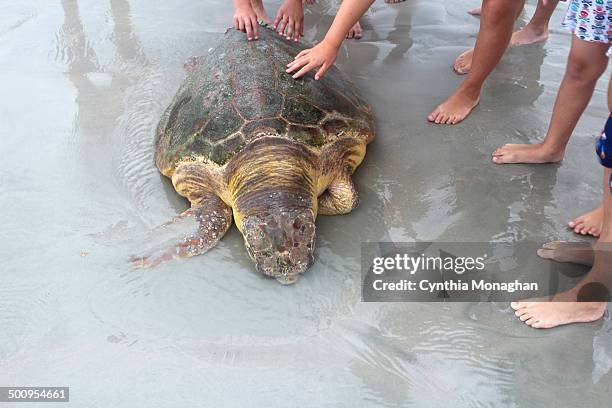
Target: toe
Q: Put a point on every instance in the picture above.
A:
(576, 222)
(525, 316)
(459, 66)
(500, 156)
(503, 158)
(520, 312)
(457, 61)
(517, 305)
(433, 115)
(545, 253)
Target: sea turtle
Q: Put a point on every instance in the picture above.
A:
(243, 138)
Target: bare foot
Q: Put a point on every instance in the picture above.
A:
(456, 108)
(526, 153)
(463, 63)
(476, 11)
(260, 11)
(355, 32)
(545, 315)
(528, 35)
(574, 252)
(524, 36)
(590, 223)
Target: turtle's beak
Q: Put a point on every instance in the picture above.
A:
(287, 279)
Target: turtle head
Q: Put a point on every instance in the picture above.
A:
(281, 243)
(273, 187)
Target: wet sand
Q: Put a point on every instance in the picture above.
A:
(84, 84)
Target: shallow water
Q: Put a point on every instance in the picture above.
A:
(84, 84)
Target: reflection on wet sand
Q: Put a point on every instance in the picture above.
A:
(97, 85)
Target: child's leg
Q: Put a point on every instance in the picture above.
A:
(565, 310)
(544, 315)
(495, 31)
(591, 223)
(537, 28)
(259, 9)
(586, 63)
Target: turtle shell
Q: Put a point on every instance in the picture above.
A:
(240, 91)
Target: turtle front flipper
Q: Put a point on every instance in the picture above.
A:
(201, 227)
(341, 196)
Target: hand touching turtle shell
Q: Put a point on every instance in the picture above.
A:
(289, 20)
(323, 55)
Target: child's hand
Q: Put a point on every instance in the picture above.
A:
(245, 20)
(321, 56)
(291, 18)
